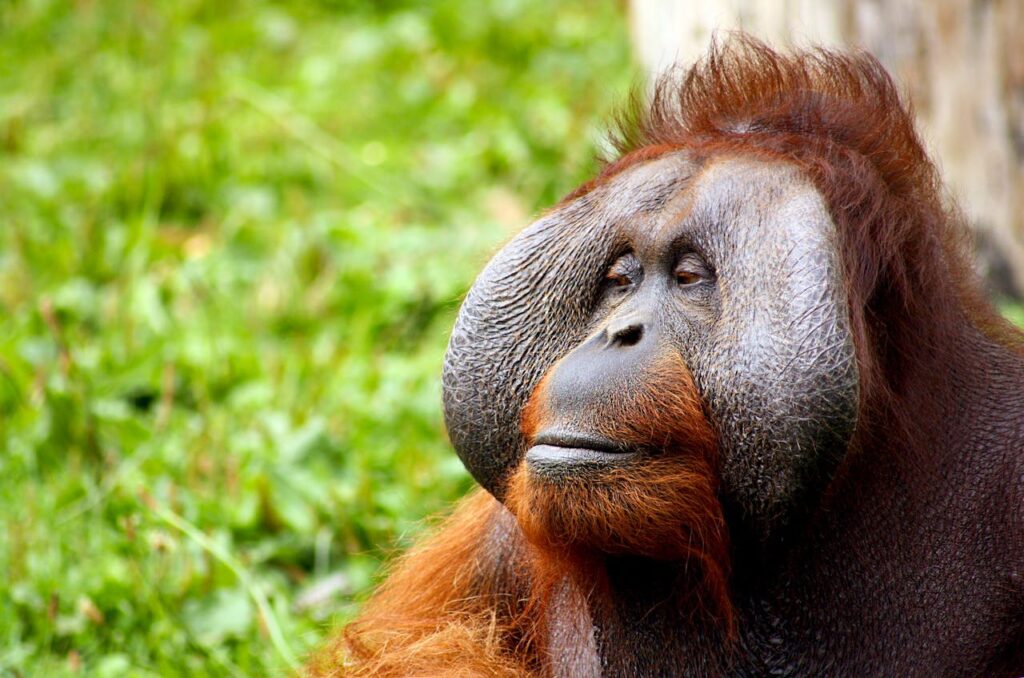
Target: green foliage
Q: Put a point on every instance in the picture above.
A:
(1014, 313)
(233, 237)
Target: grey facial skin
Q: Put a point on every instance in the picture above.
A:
(767, 336)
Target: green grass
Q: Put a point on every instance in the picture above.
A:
(233, 237)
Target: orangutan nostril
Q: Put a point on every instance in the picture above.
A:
(629, 335)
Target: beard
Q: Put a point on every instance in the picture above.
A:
(664, 508)
(660, 504)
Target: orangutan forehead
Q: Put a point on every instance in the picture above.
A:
(657, 194)
(644, 187)
(737, 184)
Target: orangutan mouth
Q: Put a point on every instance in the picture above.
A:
(553, 451)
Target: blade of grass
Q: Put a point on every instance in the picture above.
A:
(184, 526)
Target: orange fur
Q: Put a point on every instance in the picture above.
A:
(438, 613)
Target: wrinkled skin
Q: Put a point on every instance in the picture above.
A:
(765, 329)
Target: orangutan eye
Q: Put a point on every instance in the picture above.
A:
(624, 272)
(617, 279)
(684, 277)
(691, 270)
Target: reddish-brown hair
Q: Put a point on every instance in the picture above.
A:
(665, 506)
(438, 614)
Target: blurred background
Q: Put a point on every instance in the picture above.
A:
(233, 239)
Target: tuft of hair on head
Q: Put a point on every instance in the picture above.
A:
(839, 118)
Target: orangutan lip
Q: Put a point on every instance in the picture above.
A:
(553, 451)
(579, 441)
(541, 457)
